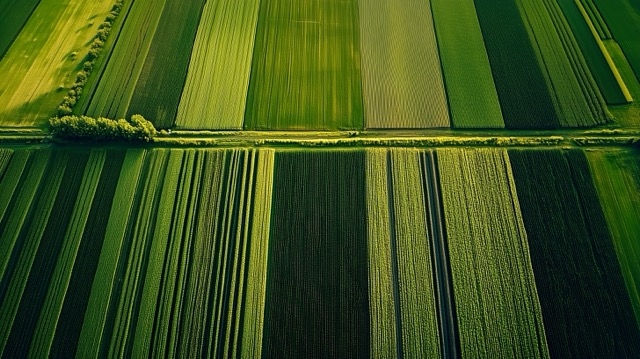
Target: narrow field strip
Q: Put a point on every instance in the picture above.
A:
(521, 85)
(13, 16)
(305, 73)
(623, 18)
(577, 273)
(104, 287)
(616, 175)
(561, 70)
(595, 53)
(11, 179)
(215, 91)
(596, 17)
(418, 313)
(385, 340)
(112, 95)
(402, 82)
(494, 287)
(471, 92)
(46, 233)
(40, 66)
(159, 88)
(5, 159)
(317, 302)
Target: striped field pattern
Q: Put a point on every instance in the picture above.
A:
(402, 80)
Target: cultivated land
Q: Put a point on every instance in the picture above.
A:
(340, 179)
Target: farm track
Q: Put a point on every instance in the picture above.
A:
(442, 270)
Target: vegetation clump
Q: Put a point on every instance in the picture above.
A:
(69, 101)
(102, 129)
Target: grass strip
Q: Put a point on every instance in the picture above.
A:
(497, 307)
(104, 287)
(473, 100)
(616, 175)
(402, 82)
(215, 92)
(578, 277)
(317, 302)
(306, 67)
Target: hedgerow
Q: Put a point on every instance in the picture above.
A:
(69, 101)
(102, 129)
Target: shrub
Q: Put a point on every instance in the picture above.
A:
(102, 129)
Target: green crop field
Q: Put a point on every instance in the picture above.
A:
(319, 179)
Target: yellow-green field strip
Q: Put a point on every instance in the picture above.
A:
(40, 66)
(494, 287)
(215, 92)
(402, 82)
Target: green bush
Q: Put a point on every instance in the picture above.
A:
(102, 129)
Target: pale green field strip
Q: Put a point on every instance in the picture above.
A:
(616, 174)
(57, 290)
(306, 67)
(5, 158)
(104, 286)
(494, 288)
(382, 306)
(561, 69)
(113, 93)
(16, 279)
(23, 195)
(141, 232)
(473, 100)
(420, 337)
(402, 80)
(215, 92)
(40, 66)
(594, 14)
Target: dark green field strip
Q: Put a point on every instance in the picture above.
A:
(522, 90)
(5, 158)
(114, 91)
(593, 53)
(159, 88)
(306, 67)
(496, 302)
(596, 17)
(69, 323)
(13, 16)
(317, 302)
(402, 81)
(616, 174)
(473, 100)
(577, 273)
(215, 92)
(623, 18)
(36, 263)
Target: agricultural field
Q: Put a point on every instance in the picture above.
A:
(392, 251)
(336, 178)
(324, 66)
